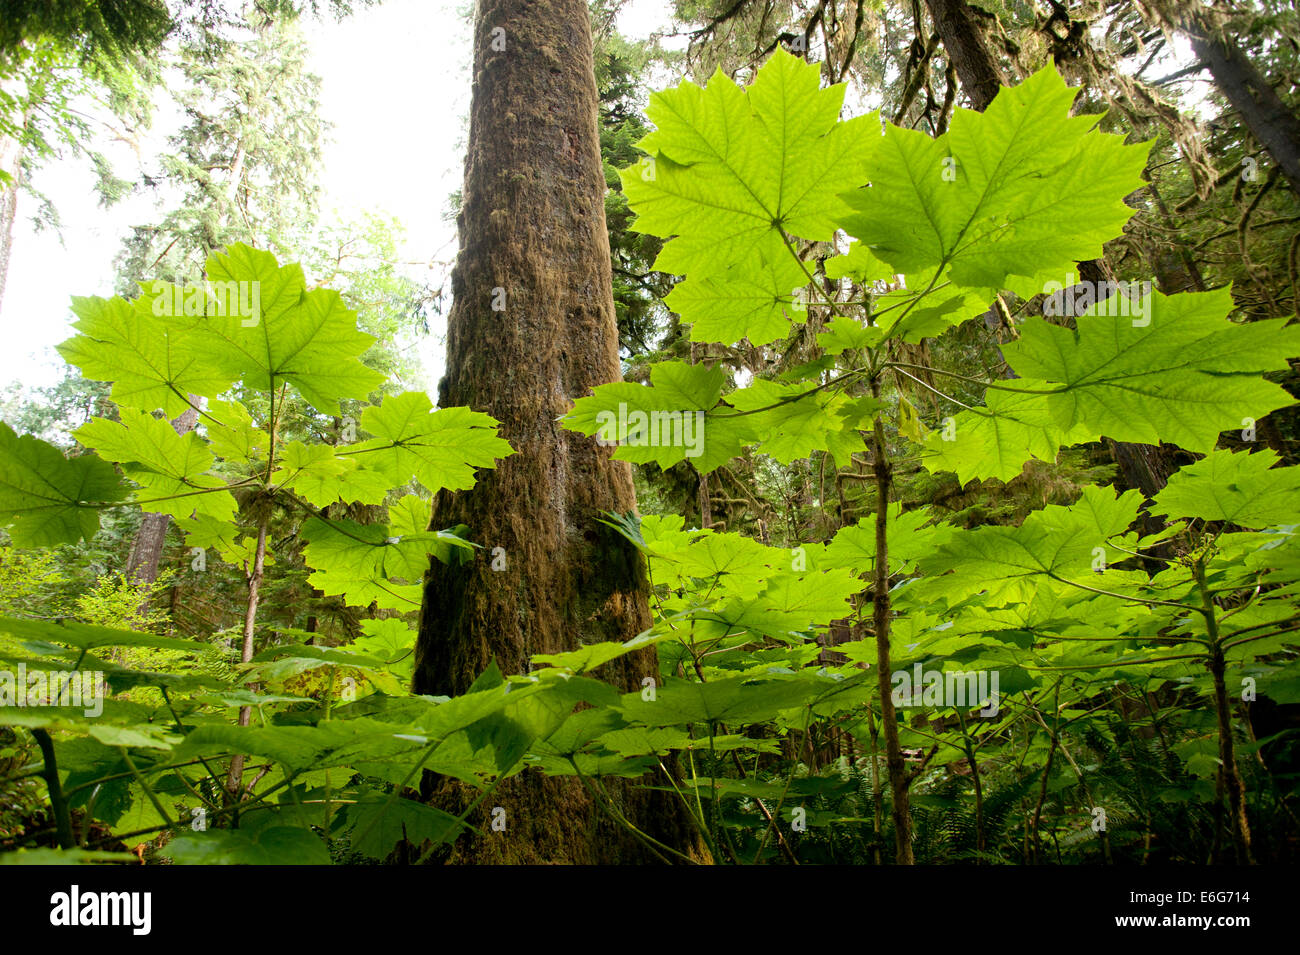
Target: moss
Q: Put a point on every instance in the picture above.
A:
(532, 222)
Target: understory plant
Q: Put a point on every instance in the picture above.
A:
(1073, 687)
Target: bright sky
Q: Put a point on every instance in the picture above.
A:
(395, 87)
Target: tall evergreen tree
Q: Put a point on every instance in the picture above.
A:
(242, 169)
(531, 329)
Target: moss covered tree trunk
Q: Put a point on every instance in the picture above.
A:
(1259, 106)
(967, 47)
(532, 329)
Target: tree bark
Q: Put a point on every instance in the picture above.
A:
(11, 155)
(531, 329)
(147, 548)
(964, 42)
(1273, 125)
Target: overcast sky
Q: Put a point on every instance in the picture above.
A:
(395, 87)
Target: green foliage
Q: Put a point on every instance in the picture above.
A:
(1068, 661)
(1058, 605)
(50, 498)
(735, 172)
(120, 601)
(26, 577)
(637, 287)
(301, 340)
(96, 28)
(987, 200)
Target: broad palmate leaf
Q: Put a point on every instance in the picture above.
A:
(50, 497)
(1243, 488)
(1020, 189)
(1167, 369)
(732, 177)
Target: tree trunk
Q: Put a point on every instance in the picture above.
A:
(532, 329)
(967, 50)
(11, 155)
(147, 548)
(1273, 125)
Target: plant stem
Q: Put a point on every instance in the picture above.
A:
(235, 779)
(969, 746)
(1231, 779)
(144, 784)
(58, 802)
(881, 609)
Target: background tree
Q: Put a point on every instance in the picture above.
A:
(241, 169)
(56, 92)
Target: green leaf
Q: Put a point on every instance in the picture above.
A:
(788, 606)
(1243, 488)
(997, 440)
(388, 640)
(988, 198)
(734, 168)
(309, 339)
(757, 304)
(142, 737)
(335, 743)
(379, 824)
(231, 432)
(924, 305)
(440, 449)
(794, 424)
(731, 701)
(668, 422)
(410, 515)
(909, 422)
(49, 498)
(222, 536)
(595, 764)
(1168, 369)
(1055, 542)
(63, 857)
(312, 471)
(273, 845)
(168, 466)
(854, 545)
(712, 554)
(1178, 372)
(372, 562)
(85, 636)
(151, 361)
(843, 334)
(593, 655)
